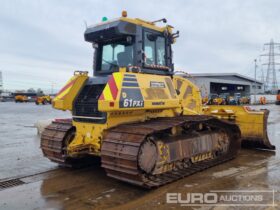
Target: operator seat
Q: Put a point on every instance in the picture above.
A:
(125, 57)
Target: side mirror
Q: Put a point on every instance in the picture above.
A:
(174, 36)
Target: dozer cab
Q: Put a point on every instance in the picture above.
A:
(147, 125)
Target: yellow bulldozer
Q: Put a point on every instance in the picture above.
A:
(147, 125)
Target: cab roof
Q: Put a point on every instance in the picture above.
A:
(121, 26)
(136, 21)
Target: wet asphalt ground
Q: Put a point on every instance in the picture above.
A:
(40, 184)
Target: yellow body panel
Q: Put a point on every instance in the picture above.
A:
(64, 99)
(189, 95)
(137, 91)
(147, 24)
(89, 135)
(132, 97)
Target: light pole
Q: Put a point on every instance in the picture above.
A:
(255, 88)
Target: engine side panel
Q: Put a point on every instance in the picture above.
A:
(131, 91)
(66, 96)
(189, 95)
(126, 98)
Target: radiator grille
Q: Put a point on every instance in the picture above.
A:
(86, 105)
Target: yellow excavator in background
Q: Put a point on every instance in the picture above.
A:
(215, 99)
(147, 125)
(43, 100)
(21, 98)
(278, 98)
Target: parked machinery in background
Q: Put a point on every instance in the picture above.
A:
(227, 99)
(204, 94)
(278, 98)
(244, 100)
(43, 100)
(205, 100)
(230, 100)
(238, 99)
(262, 100)
(21, 98)
(24, 96)
(215, 99)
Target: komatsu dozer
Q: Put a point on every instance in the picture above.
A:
(147, 125)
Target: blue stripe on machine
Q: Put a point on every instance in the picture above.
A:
(129, 84)
(130, 79)
(130, 75)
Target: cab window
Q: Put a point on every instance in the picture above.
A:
(154, 49)
(160, 46)
(115, 55)
(150, 49)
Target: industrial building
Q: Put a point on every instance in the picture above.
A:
(225, 83)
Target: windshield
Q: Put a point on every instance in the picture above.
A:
(115, 55)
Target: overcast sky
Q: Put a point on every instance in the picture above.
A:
(41, 41)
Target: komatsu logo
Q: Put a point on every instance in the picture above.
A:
(157, 103)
